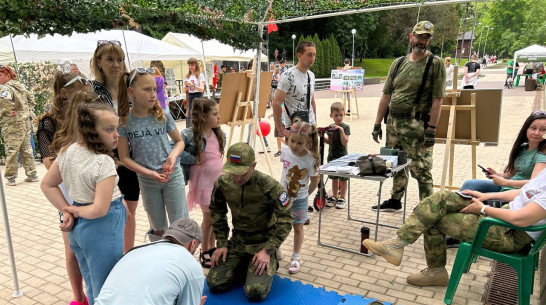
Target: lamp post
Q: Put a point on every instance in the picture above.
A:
(353, 31)
(486, 35)
(293, 42)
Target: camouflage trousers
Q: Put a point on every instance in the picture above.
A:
(17, 141)
(238, 269)
(408, 134)
(438, 215)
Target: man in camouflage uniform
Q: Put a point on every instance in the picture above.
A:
(15, 106)
(411, 125)
(261, 215)
(449, 213)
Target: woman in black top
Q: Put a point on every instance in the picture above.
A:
(471, 71)
(107, 65)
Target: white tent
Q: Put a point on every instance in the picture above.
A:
(79, 48)
(531, 53)
(213, 49)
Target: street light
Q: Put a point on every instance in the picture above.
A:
(353, 31)
(293, 42)
(486, 35)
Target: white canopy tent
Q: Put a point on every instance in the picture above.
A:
(531, 53)
(79, 48)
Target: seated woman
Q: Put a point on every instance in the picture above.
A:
(527, 156)
(446, 212)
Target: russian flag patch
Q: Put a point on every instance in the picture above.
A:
(235, 158)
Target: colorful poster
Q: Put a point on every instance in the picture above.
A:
(347, 79)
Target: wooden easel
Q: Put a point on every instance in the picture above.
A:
(248, 118)
(450, 140)
(347, 104)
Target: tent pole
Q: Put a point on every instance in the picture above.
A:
(257, 67)
(13, 48)
(126, 49)
(16, 292)
(207, 91)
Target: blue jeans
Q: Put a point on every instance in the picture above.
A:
(250, 132)
(98, 245)
(483, 186)
(158, 197)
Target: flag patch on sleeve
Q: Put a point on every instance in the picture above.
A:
(235, 158)
(284, 199)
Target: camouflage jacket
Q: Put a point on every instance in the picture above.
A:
(15, 97)
(259, 207)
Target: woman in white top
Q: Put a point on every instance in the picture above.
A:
(194, 86)
(449, 72)
(96, 219)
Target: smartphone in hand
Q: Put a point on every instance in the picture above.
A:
(487, 173)
(465, 196)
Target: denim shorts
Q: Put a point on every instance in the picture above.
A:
(299, 210)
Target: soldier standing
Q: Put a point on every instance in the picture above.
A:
(261, 215)
(15, 106)
(414, 100)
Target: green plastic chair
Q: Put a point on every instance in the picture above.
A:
(525, 262)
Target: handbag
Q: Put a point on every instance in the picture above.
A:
(370, 165)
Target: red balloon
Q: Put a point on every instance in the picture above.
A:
(264, 127)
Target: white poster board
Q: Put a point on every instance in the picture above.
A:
(347, 79)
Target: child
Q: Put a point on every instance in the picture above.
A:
(337, 138)
(194, 86)
(300, 159)
(145, 127)
(64, 87)
(206, 134)
(96, 219)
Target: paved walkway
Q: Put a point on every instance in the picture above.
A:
(40, 255)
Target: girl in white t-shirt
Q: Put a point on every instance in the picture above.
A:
(194, 86)
(97, 217)
(300, 159)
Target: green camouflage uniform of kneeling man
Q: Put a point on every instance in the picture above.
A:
(262, 219)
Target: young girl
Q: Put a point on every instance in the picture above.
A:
(145, 127)
(206, 134)
(96, 219)
(64, 87)
(300, 159)
(194, 85)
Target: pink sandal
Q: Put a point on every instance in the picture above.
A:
(294, 266)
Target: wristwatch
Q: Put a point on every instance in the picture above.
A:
(482, 211)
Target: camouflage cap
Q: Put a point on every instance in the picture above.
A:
(424, 27)
(184, 231)
(239, 158)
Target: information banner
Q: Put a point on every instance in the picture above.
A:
(347, 79)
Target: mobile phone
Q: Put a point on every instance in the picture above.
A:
(465, 196)
(484, 170)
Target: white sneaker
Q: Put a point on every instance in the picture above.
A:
(331, 202)
(340, 204)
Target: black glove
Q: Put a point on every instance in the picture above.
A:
(377, 133)
(429, 138)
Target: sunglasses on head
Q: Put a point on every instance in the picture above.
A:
(140, 71)
(105, 42)
(302, 130)
(82, 80)
(538, 113)
(2, 67)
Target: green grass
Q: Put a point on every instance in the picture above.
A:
(379, 67)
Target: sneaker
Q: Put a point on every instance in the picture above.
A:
(331, 202)
(11, 182)
(277, 154)
(310, 208)
(32, 179)
(307, 222)
(392, 249)
(85, 302)
(268, 149)
(429, 277)
(452, 242)
(391, 205)
(340, 204)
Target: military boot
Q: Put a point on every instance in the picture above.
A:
(392, 249)
(429, 277)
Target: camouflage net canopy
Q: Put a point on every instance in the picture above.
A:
(232, 22)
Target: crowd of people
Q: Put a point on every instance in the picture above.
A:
(106, 142)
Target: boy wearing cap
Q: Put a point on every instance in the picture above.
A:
(261, 215)
(163, 272)
(414, 103)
